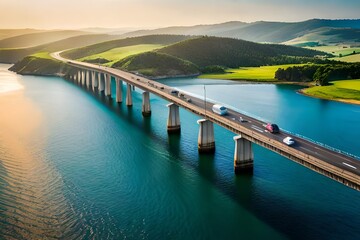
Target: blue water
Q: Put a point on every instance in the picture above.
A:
(100, 170)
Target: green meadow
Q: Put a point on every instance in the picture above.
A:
(116, 54)
(336, 50)
(45, 55)
(263, 73)
(339, 90)
(350, 58)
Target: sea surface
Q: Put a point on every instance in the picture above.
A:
(74, 165)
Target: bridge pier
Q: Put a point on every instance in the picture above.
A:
(101, 82)
(128, 95)
(94, 80)
(146, 108)
(107, 85)
(206, 140)
(83, 78)
(243, 155)
(173, 122)
(118, 90)
(87, 79)
(78, 78)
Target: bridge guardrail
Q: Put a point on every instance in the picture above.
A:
(287, 131)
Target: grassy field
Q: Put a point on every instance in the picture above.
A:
(340, 90)
(263, 74)
(350, 58)
(336, 50)
(117, 54)
(45, 55)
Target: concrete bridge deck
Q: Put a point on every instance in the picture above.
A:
(329, 162)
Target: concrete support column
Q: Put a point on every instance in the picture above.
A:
(206, 140)
(93, 80)
(118, 90)
(128, 95)
(108, 85)
(146, 108)
(83, 78)
(87, 73)
(243, 156)
(173, 122)
(101, 82)
(78, 77)
(96, 80)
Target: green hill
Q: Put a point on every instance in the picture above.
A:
(40, 64)
(155, 64)
(16, 54)
(116, 54)
(106, 46)
(188, 57)
(233, 53)
(35, 39)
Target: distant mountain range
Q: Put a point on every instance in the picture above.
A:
(38, 38)
(273, 32)
(12, 55)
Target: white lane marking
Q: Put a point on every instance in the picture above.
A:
(349, 165)
(256, 128)
(304, 148)
(310, 151)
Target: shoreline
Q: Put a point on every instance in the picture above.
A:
(240, 81)
(269, 81)
(347, 101)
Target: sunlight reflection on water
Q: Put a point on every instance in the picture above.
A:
(8, 80)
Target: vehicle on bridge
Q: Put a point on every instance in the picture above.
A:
(273, 128)
(219, 109)
(289, 141)
(241, 119)
(174, 92)
(181, 95)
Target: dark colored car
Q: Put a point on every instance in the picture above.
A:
(273, 128)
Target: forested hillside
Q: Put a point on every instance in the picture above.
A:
(227, 52)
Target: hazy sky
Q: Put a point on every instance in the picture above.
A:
(159, 13)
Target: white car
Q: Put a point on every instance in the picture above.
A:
(289, 141)
(219, 109)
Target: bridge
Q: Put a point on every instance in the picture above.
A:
(332, 163)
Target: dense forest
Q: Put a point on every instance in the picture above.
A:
(155, 64)
(233, 53)
(322, 74)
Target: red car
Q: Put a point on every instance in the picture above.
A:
(273, 128)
